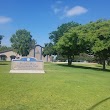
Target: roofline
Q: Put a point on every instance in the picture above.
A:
(6, 51)
(12, 49)
(38, 45)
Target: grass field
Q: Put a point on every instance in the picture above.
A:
(79, 87)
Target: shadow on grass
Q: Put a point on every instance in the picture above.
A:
(99, 103)
(84, 67)
(4, 64)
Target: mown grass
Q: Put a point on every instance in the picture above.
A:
(79, 87)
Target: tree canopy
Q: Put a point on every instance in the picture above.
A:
(92, 38)
(71, 44)
(22, 42)
(55, 35)
(49, 49)
(5, 48)
(99, 36)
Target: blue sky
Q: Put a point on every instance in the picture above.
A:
(41, 17)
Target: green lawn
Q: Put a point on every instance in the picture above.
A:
(79, 87)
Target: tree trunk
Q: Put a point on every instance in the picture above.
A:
(69, 60)
(69, 63)
(104, 65)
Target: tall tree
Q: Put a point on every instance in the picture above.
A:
(22, 42)
(55, 35)
(68, 46)
(72, 43)
(98, 35)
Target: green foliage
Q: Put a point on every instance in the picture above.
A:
(49, 49)
(22, 42)
(5, 48)
(72, 43)
(68, 45)
(61, 58)
(56, 35)
(99, 36)
(92, 38)
(84, 57)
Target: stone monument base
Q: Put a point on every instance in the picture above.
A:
(27, 71)
(27, 65)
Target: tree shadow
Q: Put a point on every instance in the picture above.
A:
(4, 62)
(97, 104)
(84, 67)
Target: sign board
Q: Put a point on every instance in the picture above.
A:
(27, 65)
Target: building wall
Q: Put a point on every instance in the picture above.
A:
(36, 52)
(31, 53)
(8, 54)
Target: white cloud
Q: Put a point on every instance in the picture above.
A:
(65, 11)
(57, 8)
(59, 2)
(77, 10)
(4, 19)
